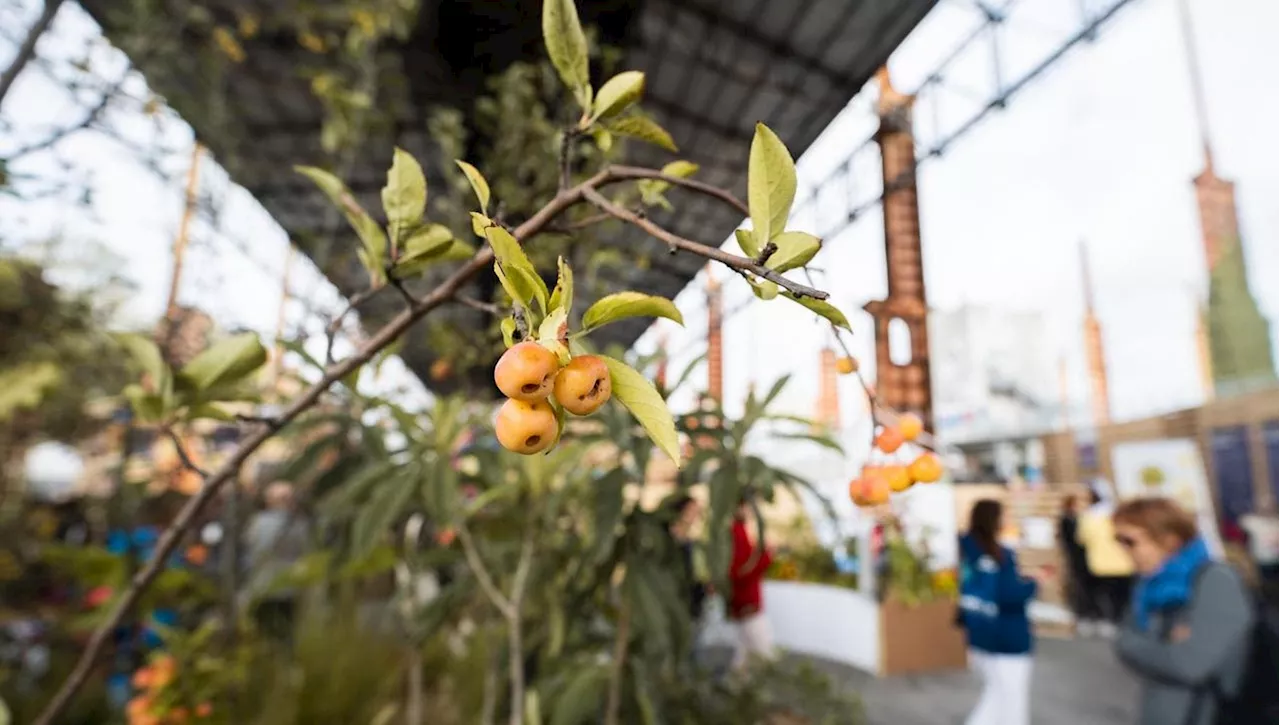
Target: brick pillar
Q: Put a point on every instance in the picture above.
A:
(827, 412)
(906, 386)
(660, 376)
(715, 340)
(1216, 201)
(1204, 352)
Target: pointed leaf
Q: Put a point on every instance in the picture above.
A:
(404, 198)
(562, 295)
(628, 304)
(478, 183)
(821, 440)
(508, 326)
(680, 168)
(515, 264)
(617, 94)
(383, 508)
(373, 241)
(795, 249)
(426, 240)
(644, 129)
(146, 353)
(209, 411)
(637, 394)
(567, 47)
(823, 308)
(227, 361)
(480, 222)
(771, 184)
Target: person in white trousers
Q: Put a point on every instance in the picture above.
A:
(993, 611)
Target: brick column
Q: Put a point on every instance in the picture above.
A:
(827, 413)
(715, 340)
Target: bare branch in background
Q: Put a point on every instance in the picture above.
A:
(27, 50)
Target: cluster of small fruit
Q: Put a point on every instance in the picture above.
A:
(528, 374)
(886, 473)
(146, 707)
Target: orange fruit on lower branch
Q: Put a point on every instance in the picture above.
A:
(583, 385)
(526, 372)
(526, 427)
(898, 478)
(869, 489)
(926, 468)
(440, 369)
(910, 426)
(846, 366)
(889, 440)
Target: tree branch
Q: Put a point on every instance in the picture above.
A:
(183, 456)
(625, 173)
(475, 304)
(733, 261)
(27, 50)
(226, 472)
(515, 639)
(621, 642)
(500, 602)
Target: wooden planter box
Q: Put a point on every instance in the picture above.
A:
(920, 638)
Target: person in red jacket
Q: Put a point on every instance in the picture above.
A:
(746, 607)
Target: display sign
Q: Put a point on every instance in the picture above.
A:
(1171, 468)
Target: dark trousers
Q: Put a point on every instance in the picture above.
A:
(1111, 597)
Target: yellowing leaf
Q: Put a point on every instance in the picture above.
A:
(567, 47)
(644, 129)
(628, 304)
(404, 198)
(747, 242)
(617, 94)
(638, 395)
(508, 327)
(680, 168)
(478, 183)
(764, 289)
(795, 249)
(226, 362)
(480, 222)
(823, 308)
(771, 184)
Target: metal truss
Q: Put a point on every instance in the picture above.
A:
(838, 200)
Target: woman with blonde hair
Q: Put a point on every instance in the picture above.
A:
(1187, 635)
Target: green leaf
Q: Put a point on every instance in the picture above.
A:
(555, 327)
(680, 168)
(567, 47)
(628, 304)
(404, 198)
(617, 94)
(603, 139)
(644, 129)
(516, 267)
(148, 407)
(581, 699)
(562, 295)
(479, 223)
(763, 288)
(146, 353)
(771, 184)
(24, 386)
(209, 411)
(823, 308)
(373, 241)
(227, 361)
(747, 242)
(821, 440)
(508, 325)
(795, 249)
(651, 190)
(478, 183)
(426, 245)
(636, 393)
(383, 508)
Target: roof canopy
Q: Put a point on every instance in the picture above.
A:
(714, 68)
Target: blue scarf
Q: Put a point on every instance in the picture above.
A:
(1170, 585)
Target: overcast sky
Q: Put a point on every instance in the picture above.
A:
(1101, 148)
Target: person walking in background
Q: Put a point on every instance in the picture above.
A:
(275, 540)
(1110, 569)
(1078, 585)
(1188, 635)
(993, 611)
(746, 605)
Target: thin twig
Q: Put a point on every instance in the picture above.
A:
(732, 261)
(183, 456)
(566, 156)
(335, 325)
(515, 640)
(27, 50)
(90, 118)
(475, 304)
(500, 602)
(621, 642)
(267, 420)
(624, 173)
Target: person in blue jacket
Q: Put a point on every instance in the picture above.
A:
(993, 611)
